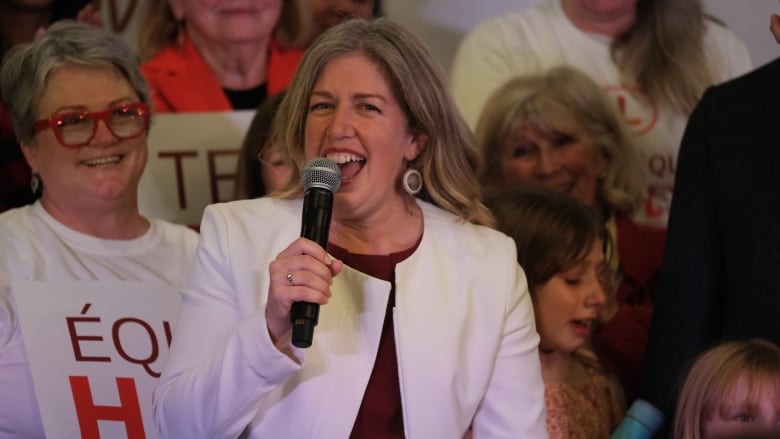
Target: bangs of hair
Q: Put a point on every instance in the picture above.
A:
(544, 112)
(754, 364)
(561, 255)
(760, 384)
(579, 245)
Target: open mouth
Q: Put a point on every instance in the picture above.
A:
(238, 11)
(350, 165)
(562, 187)
(102, 161)
(581, 327)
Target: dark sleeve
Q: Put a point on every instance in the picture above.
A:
(687, 303)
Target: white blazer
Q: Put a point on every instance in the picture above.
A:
(465, 337)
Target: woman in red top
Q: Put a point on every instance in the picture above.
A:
(209, 57)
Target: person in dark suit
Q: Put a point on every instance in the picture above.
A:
(722, 253)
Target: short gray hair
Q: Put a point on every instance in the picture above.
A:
(27, 67)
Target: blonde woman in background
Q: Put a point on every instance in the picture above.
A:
(559, 130)
(654, 57)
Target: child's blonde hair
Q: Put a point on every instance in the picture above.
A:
(709, 385)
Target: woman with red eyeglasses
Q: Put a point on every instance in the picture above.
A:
(79, 107)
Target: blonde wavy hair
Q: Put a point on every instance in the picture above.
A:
(560, 100)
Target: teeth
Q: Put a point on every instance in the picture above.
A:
(342, 158)
(103, 161)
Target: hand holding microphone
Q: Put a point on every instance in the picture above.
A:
(302, 272)
(321, 179)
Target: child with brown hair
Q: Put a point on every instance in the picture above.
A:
(561, 245)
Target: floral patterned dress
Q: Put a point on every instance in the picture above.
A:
(586, 409)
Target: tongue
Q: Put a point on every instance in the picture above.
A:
(349, 170)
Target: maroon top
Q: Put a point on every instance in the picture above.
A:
(380, 414)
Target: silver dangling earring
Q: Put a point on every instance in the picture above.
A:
(35, 183)
(412, 181)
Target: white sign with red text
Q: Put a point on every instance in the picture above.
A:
(192, 163)
(96, 350)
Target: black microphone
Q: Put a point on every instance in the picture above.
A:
(321, 178)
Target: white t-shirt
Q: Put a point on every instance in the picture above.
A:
(35, 246)
(536, 39)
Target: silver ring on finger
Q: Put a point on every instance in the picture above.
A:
(290, 278)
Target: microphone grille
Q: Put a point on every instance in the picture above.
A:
(322, 173)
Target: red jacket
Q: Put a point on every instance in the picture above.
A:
(180, 81)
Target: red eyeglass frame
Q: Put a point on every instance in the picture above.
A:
(53, 122)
